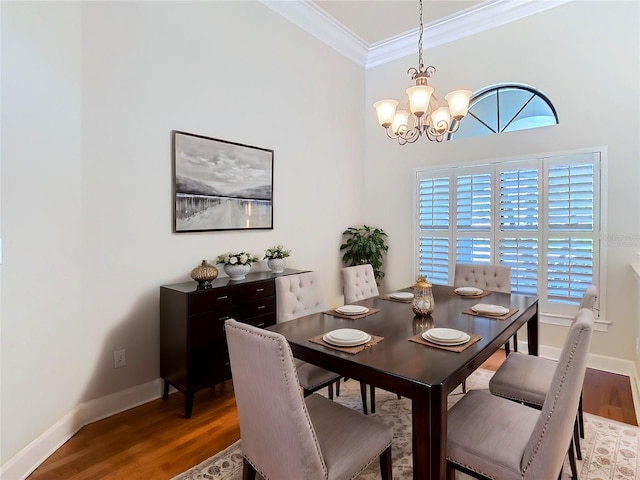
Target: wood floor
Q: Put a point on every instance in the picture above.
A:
(154, 441)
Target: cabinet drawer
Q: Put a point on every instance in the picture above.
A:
(200, 302)
(261, 306)
(255, 290)
(262, 321)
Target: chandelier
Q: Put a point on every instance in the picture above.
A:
(422, 115)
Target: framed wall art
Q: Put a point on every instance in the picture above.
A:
(220, 185)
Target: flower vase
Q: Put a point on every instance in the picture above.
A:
(237, 271)
(277, 265)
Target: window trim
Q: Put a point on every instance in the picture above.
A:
(601, 322)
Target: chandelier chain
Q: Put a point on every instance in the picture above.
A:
(420, 64)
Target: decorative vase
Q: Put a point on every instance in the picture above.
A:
(204, 273)
(422, 304)
(237, 271)
(277, 265)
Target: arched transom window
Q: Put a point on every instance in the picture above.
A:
(506, 108)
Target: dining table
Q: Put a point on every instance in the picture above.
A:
(423, 373)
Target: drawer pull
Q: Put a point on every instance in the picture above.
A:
(227, 317)
(260, 307)
(259, 289)
(224, 297)
(260, 325)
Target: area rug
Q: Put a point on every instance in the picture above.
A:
(610, 450)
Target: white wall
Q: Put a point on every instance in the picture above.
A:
(91, 93)
(584, 57)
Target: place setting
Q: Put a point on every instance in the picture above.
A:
(352, 312)
(490, 311)
(446, 339)
(402, 297)
(469, 292)
(349, 340)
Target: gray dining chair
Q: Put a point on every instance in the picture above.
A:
(493, 437)
(527, 378)
(359, 283)
(495, 278)
(297, 296)
(286, 435)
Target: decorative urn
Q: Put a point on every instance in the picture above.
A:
(204, 273)
(422, 304)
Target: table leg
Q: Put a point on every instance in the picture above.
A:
(532, 333)
(421, 442)
(438, 432)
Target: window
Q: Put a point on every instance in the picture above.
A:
(506, 108)
(539, 216)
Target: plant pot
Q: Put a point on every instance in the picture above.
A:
(277, 265)
(237, 271)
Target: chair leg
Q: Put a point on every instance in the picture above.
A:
(572, 463)
(464, 386)
(372, 399)
(330, 388)
(363, 394)
(248, 472)
(576, 439)
(515, 342)
(386, 471)
(338, 388)
(507, 348)
(581, 417)
(450, 472)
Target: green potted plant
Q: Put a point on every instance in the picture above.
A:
(365, 245)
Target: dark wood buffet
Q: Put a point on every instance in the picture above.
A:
(193, 348)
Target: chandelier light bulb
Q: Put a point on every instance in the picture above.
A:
(400, 122)
(441, 120)
(458, 101)
(419, 98)
(386, 110)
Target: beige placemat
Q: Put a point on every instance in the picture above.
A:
(389, 297)
(452, 348)
(511, 311)
(484, 293)
(351, 317)
(353, 350)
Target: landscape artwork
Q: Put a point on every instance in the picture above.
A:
(221, 185)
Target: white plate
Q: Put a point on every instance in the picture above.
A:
(464, 339)
(347, 334)
(445, 334)
(345, 343)
(352, 309)
(402, 295)
(468, 291)
(489, 309)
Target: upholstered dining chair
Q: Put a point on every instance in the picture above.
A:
(495, 278)
(359, 283)
(286, 435)
(492, 437)
(297, 296)
(527, 379)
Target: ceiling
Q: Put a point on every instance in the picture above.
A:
(374, 32)
(375, 21)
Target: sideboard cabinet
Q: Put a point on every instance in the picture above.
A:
(193, 347)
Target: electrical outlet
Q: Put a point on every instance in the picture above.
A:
(119, 358)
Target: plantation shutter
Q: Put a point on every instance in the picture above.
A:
(434, 259)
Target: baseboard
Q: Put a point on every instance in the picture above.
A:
(20, 466)
(27, 460)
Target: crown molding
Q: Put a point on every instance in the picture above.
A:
(485, 16)
(314, 20)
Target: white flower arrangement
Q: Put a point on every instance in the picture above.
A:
(236, 258)
(276, 252)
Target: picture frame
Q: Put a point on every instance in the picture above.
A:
(220, 185)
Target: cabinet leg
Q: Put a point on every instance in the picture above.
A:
(188, 404)
(165, 390)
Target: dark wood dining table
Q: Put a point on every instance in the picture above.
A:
(422, 373)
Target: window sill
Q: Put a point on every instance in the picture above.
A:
(599, 324)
